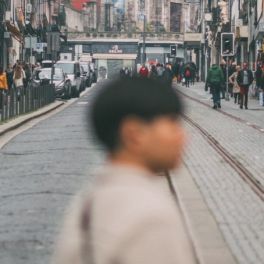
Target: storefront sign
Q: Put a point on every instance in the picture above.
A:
(115, 50)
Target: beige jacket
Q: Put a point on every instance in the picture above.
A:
(233, 79)
(19, 82)
(133, 220)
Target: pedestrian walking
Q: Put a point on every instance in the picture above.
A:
(153, 74)
(3, 86)
(258, 77)
(125, 72)
(9, 76)
(144, 72)
(231, 70)
(193, 73)
(160, 70)
(261, 90)
(215, 78)
(127, 218)
(175, 70)
(28, 76)
(19, 77)
(122, 73)
(223, 85)
(167, 75)
(236, 87)
(187, 75)
(244, 80)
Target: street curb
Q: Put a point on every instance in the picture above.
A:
(208, 241)
(20, 121)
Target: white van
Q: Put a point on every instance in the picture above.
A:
(73, 71)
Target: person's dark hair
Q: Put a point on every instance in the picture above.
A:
(143, 98)
(153, 67)
(1, 70)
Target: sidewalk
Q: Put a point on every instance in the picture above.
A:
(254, 115)
(15, 123)
(12, 124)
(224, 215)
(208, 241)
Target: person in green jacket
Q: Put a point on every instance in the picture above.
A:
(215, 79)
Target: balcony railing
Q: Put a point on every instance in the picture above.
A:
(150, 36)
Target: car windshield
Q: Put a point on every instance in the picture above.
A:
(46, 74)
(66, 67)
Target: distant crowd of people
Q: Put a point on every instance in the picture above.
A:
(16, 77)
(180, 72)
(237, 85)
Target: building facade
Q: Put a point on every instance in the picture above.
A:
(24, 28)
(128, 15)
(243, 18)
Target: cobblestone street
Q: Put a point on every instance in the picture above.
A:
(239, 212)
(43, 167)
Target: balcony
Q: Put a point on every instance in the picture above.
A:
(259, 32)
(150, 36)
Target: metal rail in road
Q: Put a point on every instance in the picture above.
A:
(246, 175)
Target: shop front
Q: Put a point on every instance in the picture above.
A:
(111, 57)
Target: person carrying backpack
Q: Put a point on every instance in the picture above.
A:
(215, 78)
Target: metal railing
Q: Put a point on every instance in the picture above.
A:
(19, 101)
(150, 36)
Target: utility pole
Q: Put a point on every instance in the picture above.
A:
(144, 40)
(142, 15)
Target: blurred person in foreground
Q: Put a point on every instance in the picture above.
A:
(127, 217)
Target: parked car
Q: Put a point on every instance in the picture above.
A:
(73, 71)
(87, 72)
(46, 64)
(60, 80)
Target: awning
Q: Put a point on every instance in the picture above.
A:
(14, 31)
(108, 56)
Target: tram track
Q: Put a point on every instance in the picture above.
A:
(238, 119)
(241, 170)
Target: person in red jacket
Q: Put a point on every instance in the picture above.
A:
(144, 72)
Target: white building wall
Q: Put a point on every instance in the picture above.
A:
(74, 20)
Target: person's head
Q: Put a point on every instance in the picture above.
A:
(238, 68)
(245, 66)
(141, 119)
(1, 70)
